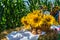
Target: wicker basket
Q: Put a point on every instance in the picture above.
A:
(51, 35)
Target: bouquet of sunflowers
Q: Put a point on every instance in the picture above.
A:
(38, 19)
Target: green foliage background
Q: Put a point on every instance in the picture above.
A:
(11, 11)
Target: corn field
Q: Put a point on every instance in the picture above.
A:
(11, 11)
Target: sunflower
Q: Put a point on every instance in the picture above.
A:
(45, 26)
(59, 7)
(37, 12)
(27, 27)
(24, 21)
(50, 19)
(56, 8)
(56, 23)
(37, 19)
(45, 7)
(30, 18)
(34, 20)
